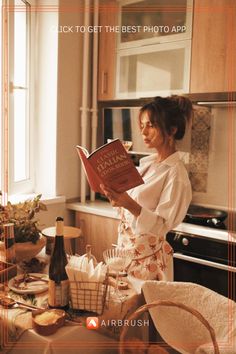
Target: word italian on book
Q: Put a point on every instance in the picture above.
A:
(111, 165)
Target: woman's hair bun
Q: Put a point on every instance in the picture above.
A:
(185, 105)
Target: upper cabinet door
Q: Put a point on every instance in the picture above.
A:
(144, 48)
(154, 48)
(108, 19)
(159, 69)
(213, 46)
(146, 22)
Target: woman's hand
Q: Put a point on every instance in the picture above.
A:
(121, 200)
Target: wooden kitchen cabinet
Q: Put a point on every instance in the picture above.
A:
(108, 19)
(98, 231)
(213, 46)
(213, 53)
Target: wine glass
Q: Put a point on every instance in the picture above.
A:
(126, 143)
(117, 260)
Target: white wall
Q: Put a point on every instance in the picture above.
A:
(58, 93)
(46, 100)
(70, 52)
(222, 156)
(47, 218)
(59, 100)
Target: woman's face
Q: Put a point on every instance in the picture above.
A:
(152, 135)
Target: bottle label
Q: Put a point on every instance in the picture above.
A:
(8, 230)
(58, 293)
(10, 254)
(9, 242)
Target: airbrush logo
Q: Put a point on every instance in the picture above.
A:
(94, 323)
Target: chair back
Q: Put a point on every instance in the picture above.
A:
(124, 344)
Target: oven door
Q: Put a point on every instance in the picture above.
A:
(216, 276)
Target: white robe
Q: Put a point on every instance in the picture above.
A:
(164, 198)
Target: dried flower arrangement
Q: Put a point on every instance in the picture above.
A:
(22, 216)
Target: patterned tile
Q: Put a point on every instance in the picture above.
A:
(198, 181)
(198, 162)
(199, 155)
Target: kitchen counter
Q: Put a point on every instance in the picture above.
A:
(98, 207)
(103, 208)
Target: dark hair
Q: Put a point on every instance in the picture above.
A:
(169, 112)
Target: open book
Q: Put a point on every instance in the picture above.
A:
(110, 164)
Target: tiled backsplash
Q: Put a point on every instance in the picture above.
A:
(209, 152)
(199, 151)
(212, 157)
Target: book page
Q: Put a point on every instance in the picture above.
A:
(92, 177)
(85, 151)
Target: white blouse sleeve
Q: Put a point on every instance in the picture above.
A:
(171, 209)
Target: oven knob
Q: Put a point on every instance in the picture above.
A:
(185, 241)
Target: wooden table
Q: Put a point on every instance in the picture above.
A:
(18, 335)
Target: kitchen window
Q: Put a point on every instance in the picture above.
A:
(17, 129)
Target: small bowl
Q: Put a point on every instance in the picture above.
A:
(25, 251)
(53, 319)
(117, 259)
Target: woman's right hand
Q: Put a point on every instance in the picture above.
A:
(116, 199)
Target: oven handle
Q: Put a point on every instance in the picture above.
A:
(204, 262)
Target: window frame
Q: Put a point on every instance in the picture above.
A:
(27, 185)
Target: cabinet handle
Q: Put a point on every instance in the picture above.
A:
(104, 82)
(80, 242)
(81, 226)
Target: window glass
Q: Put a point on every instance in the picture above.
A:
(20, 91)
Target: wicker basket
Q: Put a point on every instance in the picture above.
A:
(132, 344)
(89, 296)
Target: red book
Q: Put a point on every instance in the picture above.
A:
(110, 164)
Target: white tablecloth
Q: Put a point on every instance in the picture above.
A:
(67, 340)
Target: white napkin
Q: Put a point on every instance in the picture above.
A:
(85, 278)
(81, 269)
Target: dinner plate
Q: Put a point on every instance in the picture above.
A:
(33, 287)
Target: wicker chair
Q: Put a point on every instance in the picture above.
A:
(126, 346)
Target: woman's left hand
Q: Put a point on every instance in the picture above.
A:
(121, 200)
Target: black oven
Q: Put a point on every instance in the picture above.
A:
(204, 260)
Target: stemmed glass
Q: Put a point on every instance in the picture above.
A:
(126, 143)
(117, 260)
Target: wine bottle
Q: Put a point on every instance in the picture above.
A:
(58, 279)
(9, 238)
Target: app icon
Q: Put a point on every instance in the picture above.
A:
(92, 323)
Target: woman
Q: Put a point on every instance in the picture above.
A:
(152, 209)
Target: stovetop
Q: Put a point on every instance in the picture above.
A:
(204, 231)
(212, 223)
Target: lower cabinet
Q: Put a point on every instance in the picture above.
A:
(98, 231)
